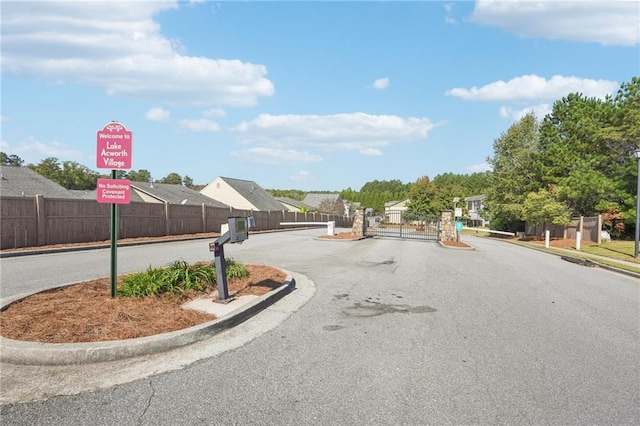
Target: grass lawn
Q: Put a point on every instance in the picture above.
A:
(622, 250)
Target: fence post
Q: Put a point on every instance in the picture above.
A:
(581, 224)
(41, 220)
(546, 238)
(166, 218)
(204, 217)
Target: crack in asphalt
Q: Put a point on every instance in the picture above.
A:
(146, 408)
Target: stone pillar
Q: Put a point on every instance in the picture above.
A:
(447, 226)
(358, 223)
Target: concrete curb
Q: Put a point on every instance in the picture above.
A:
(34, 353)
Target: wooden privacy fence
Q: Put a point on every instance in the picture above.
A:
(37, 221)
(590, 229)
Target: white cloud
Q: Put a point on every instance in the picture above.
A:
(533, 87)
(200, 125)
(157, 114)
(604, 22)
(302, 176)
(263, 155)
(448, 9)
(478, 168)
(215, 113)
(371, 152)
(34, 151)
(359, 132)
(381, 83)
(516, 114)
(4, 118)
(118, 47)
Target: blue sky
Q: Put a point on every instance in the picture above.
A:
(304, 95)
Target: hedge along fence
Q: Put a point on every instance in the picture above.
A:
(37, 221)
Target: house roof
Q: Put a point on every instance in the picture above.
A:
(395, 203)
(175, 194)
(254, 194)
(24, 182)
(290, 201)
(475, 198)
(313, 200)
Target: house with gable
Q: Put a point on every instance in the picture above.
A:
(241, 194)
(393, 210)
(153, 192)
(474, 207)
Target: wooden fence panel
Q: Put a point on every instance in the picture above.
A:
(184, 219)
(141, 220)
(75, 221)
(214, 217)
(19, 226)
(591, 229)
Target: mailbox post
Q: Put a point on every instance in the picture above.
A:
(237, 232)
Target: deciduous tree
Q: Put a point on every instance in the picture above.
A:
(11, 160)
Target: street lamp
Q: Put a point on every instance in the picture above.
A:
(636, 153)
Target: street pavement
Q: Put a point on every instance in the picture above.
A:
(389, 332)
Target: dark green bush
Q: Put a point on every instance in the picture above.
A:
(177, 279)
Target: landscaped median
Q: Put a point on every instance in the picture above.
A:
(253, 294)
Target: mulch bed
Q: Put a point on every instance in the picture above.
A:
(86, 312)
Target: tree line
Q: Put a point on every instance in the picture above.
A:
(578, 160)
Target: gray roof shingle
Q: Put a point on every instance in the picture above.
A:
(254, 193)
(313, 200)
(176, 194)
(24, 182)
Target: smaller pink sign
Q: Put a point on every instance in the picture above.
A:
(113, 191)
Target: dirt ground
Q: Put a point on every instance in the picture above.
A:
(86, 312)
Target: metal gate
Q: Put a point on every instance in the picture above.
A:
(405, 224)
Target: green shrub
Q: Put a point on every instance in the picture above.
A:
(178, 278)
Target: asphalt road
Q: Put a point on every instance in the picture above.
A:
(398, 332)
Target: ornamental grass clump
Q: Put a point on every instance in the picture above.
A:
(177, 279)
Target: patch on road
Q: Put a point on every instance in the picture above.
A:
(374, 309)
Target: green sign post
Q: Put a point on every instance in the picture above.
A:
(113, 152)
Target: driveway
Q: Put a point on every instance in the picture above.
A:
(397, 332)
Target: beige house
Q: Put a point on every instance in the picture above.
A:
(241, 194)
(393, 210)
